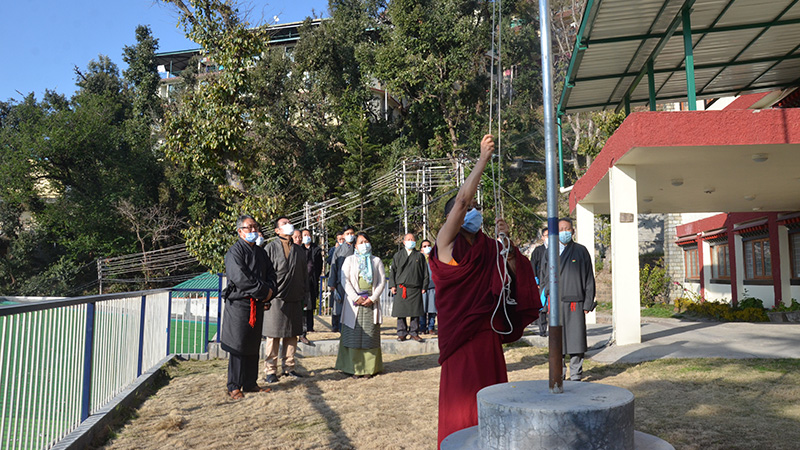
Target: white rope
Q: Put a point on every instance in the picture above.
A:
(502, 242)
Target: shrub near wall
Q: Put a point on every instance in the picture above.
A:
(749, 310)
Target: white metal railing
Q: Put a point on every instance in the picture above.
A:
(62, 360)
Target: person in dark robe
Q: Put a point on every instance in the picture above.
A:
(335, 280)
(576, 294)
(408, 282)
(339, 241)
(314, 269)
(251, 285)
(538, 258)
(468, 284)
(427, 323)
(283, 322)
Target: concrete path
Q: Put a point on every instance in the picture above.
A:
(675, 338)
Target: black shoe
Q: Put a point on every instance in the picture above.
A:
(417, 338)
(293, 374)
(271, 378)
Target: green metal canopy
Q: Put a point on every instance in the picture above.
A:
(634, 52)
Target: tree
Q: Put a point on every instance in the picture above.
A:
(434, 58)
(142, 75)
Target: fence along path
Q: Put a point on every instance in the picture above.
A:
(63, 360)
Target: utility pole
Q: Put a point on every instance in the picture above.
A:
(405, 200)
(424, 204)
(100, 275)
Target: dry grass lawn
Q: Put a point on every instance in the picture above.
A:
(694, 404)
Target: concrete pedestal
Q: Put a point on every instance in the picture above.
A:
(525, 415)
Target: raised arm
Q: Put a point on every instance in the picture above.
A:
(447, 235)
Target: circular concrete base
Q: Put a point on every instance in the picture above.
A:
(469, 439)
(525, 415)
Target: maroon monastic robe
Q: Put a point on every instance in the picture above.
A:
(470, 353)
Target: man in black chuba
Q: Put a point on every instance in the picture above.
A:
(251, 286)
(408, 281)
(345, 249)
(576, 294)
(538, 258)
(314, 269)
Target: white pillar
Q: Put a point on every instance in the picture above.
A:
(739, 258)
(705, 247)
(625, 255)
(584, 215)
(786, 266)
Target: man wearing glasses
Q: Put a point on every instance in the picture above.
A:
(251, 286)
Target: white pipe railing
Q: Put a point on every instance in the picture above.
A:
(63, 360)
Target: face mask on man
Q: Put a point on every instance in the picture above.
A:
(306, 240)
(565, 237)
(287, 229)
(426, 250)
(251, 236)
(473, 221)
(410, 244)
(364, 248)
(259, 241)
(350, 238)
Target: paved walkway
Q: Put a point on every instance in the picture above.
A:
(675, 338)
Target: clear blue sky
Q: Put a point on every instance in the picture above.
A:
(41, 41)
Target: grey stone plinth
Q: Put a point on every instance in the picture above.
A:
(525, 415)
(469, 439)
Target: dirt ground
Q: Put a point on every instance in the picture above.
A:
(694, 404)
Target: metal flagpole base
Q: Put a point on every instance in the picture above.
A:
(556, 360)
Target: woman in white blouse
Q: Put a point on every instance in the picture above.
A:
(364, 278)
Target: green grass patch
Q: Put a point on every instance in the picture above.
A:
(659, 310)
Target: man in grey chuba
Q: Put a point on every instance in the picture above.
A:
(284, 320)
(409, 280)
(335, 278)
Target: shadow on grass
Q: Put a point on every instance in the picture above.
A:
(339, 438)
(412, 363)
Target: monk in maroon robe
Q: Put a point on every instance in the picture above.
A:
(468, 286)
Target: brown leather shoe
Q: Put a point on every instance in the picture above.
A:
(402, 338)
(305, 340)
(417, 338)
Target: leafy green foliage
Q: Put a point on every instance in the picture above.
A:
(654, 284)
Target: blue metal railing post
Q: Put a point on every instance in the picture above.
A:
(141, 338)
(321, 278)
(219, 308)
(87, 362)
(169, 318)
(208, 317)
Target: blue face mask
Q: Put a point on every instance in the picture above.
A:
(410, 244)
(473, 221)
(251, 236)
(565, 237)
